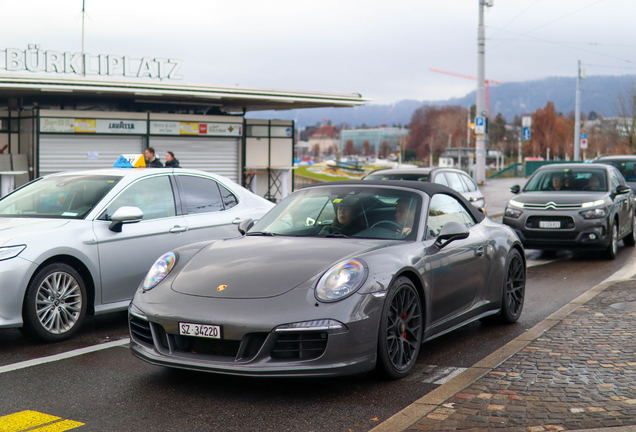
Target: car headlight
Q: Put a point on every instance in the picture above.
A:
(592, 203)
(515, 203)
(513, 213)
(159, 270)
(9, 252)
(341, 280)
(594, 213)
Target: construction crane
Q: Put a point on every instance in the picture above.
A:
(472, 78)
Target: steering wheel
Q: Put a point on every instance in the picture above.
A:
(395, 225)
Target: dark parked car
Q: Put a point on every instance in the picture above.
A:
(626, 164)
(336, 279)
(451, 177)
(573, 206)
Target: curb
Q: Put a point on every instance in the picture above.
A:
(434, 399)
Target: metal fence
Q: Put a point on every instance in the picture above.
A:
(302, 181)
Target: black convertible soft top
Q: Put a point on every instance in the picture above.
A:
(428, 188)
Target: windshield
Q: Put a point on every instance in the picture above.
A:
(568, 180)
(626, 167)
(344, 211)
(67, 197)
(398, 176)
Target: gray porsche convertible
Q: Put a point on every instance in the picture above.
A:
(337, 279)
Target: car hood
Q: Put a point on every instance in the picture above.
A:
(257, 267)
(558, 197)
(17, 228)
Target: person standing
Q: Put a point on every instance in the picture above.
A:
(152, 161)
(171, 161)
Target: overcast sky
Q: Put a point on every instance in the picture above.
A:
(381, 49)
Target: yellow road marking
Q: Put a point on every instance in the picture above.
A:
(34, 421)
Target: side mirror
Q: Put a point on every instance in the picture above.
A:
(125, 215)
(515, 189)
(622, 189)
(450, 232)
(245, 226)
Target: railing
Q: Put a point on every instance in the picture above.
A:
(514, 170)
(302, 181)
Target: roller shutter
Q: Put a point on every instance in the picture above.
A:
(214, 155)
(70, 153)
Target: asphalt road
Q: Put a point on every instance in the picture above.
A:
(111, 390)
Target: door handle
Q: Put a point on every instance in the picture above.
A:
(178, 229)
(480, 251)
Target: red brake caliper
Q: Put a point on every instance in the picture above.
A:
(404, 334)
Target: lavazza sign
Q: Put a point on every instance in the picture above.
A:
(35, 60)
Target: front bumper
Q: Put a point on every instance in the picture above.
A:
(15, 274)
(251, 346)
(592, 234)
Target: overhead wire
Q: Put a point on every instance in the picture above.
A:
(557, 19)
(517, 16)
(525, 35)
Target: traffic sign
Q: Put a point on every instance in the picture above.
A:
(526, 121)
(584, 143)
(584, 135)
(526, 133)
(480, 125)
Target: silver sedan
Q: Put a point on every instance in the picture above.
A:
(79, 243)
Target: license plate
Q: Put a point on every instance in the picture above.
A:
(549, 224)
(200, 330)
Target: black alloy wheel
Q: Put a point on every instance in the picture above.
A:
(401, 327)
(612, 248)
(55, 303)
(514, 289)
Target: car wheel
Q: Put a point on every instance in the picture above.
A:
(55, 303)
(400, 333)
(630, 240)
(612, 247)
(514, 289)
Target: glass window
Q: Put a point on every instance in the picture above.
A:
(441, 179)
(344, 211)
(627, 168)
(398, 176)
(567, 179)
(614, 180)
(444, 209)
(455, 182)
(469, 183)
(68, 197)
(200, 195)
(229, 199)
(152, 195)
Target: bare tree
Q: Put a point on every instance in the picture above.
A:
(431, 128)
(626, 110)
(350, 148)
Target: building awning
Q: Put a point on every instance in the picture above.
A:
(228, 98)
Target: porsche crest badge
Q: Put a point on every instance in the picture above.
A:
(221, 287)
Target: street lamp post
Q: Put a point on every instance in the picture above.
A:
(480, 145)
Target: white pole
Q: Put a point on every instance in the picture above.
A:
(480, 148)
(577, 116)
(83, 13)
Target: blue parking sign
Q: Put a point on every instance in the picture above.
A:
(526, 133)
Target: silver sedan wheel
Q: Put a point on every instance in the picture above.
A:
(55, 303)
(58, 302)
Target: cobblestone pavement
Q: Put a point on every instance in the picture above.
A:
(580, 374)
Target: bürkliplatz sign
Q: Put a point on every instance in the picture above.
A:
(33, 59)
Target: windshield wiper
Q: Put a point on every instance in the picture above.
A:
(261, 233)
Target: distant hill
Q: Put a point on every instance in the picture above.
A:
(598, 93)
